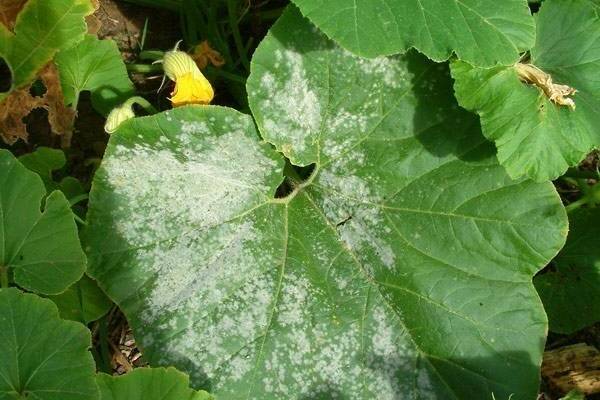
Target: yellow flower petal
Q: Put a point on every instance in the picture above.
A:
(178, 63)
(192, 88)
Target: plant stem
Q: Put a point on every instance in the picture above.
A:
(577, 204)
(142, 102)
(144, 68)
(3, 276)
(237, 38)
(151, 55)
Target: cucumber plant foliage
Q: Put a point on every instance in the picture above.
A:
(149, 384)
(39, 247)
(401, 267)
(536, 136)
(570, 288)
(43, 356)
(482, 32)
(43, 27)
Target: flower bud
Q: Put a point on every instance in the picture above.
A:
(117, 116)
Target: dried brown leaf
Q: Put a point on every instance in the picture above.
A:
(573, 367)
(20, 103)
(9, 9)
(558, 94)
(93, 22)
(203, 54)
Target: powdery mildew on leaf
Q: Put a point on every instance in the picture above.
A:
(402, 268)
(302, 116)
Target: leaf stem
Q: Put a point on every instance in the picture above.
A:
(142, 102)
(577, 204)
(151, 55)
(144, 68)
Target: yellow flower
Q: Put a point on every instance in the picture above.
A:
(191, 87)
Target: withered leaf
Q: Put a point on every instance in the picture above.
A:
(20, 103)
(9, 9)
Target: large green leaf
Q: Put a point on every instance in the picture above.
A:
(536, 137)
(483, 32)
(41, 248)
(42, 28)
(149, 384)
(94, 65)
(400, 269)
(570, 288)
(42, 356)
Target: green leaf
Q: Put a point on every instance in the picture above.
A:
(94, 65)
(401, 268)
(41, 248)
(570, 287)
(482, 32)
(42, 28)
(149, 384)
(44, 161)
(83, 301)
(536, 137)
(43, 357)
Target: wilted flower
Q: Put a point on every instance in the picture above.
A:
(203, 54)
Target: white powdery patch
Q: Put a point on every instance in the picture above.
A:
(311, 355)
(348, 122)
(347, 199)
(291, 108)
(236, 325)
(389, 70)
(196, 270)
(193, 180)
(390, 357)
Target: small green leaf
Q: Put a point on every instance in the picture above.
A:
(41, 248)
(483, 32)
(84, 301)
(42, 356)
(570, 288)
(95, 65)
(44, 161)
(149, 384)
(536, 137)
(42, 28)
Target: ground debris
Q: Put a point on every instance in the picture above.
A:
(573, 367)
